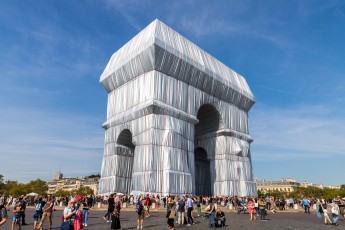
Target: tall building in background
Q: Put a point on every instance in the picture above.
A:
(177, 120)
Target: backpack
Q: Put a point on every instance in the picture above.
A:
(38, 207)
(138, 207)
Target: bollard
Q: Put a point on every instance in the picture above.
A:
(295, 206)
(124, 205)
(99, 204)
(231, 206)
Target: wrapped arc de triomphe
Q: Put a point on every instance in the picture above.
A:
(177, 120)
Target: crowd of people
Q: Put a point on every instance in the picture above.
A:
(179, 210)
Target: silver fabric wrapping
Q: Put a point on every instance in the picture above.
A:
(167, 97)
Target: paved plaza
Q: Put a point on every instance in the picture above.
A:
(282, 220)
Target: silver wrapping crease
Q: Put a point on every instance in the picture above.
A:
(177, 120)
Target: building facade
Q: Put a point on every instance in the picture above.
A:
(283, 185)
(177, 120)
(69, 184)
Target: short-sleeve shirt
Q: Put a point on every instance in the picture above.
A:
(68, 211)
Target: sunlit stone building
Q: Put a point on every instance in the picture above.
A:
(177, 120)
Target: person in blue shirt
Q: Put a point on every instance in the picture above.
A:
(189, 210)
(305, 203)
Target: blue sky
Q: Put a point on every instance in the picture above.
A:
(292, 54)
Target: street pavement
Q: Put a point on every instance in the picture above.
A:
(281, 220)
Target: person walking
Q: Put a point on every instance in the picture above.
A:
(325, 216)
(198, 206)
(69, 215)
(115, 223)
(38, 212)
(335, 214)
(305, 203)
(341, 206)
(110, 210)
(47, 213)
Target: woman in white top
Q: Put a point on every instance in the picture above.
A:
(70, 211)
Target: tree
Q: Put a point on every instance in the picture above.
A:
(62, 193)
(38, 186)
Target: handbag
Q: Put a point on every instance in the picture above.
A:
(65, 226)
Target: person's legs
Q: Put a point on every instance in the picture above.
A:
(50, 222)
(262, 214)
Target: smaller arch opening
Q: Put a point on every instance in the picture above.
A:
(209, 120)
(125, 139)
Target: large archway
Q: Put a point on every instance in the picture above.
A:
(209, 122)
(125, 148)
(202, 173)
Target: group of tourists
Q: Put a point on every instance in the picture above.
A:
(179, 210)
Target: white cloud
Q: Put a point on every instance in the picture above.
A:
(303, 131)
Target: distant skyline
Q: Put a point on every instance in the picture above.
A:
(292, 54)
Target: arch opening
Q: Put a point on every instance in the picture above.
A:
(125, 151)
(209, 120)
(202, 173)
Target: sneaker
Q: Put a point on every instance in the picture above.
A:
(141, 227)
(188, 225)
(138, 227)
(85, 225)
(107, 221)
(104, 218)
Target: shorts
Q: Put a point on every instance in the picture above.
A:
(37, 216)
(141, 215)
(16, 219)
(170, 222)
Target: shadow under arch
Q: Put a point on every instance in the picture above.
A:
(210, 120)
(202, 173)
(125, 151)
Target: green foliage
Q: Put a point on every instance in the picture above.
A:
(62, 193)
(94, 175)
(38, 186)
(82, 190)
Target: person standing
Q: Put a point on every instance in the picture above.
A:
(115, 217)
(262, 206)
(22, 213)
(198, 206)
(110, 211)
(139, 208)
(181, 210)
(211, 213)
(171, 214)
(16, 217)
(86, 209)
(251, 208)
(148, 204)
(69, 213)
(47, 213)
(190, 208)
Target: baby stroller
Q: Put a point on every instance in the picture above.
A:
(242, 208)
